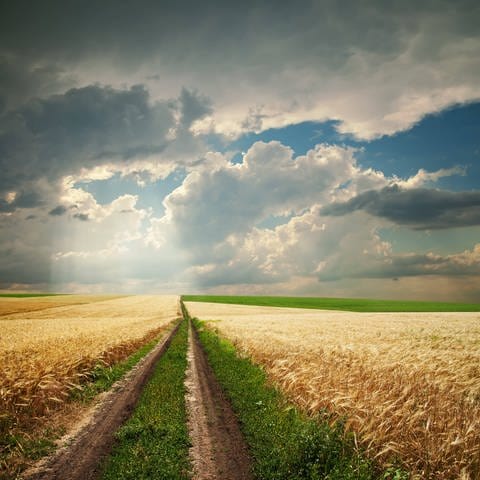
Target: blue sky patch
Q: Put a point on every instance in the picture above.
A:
(444, 140)
(151, 195)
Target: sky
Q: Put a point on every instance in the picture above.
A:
(314, 148)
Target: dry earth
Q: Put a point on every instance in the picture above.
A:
(218, 449)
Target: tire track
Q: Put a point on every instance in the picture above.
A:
(218, 448)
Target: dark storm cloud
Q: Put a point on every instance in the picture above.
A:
(58, 211)
(20, 79)
(83, 128)
(406, 265)
(100, 116)
(14, 268)
(40, 39)
(193, 106)
(15, 271)
(419, 208)
(90, 26)
(81, 216)
(6, 207)
(22, 200)
(28, 200)
(43, 140)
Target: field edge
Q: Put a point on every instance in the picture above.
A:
(344, 304)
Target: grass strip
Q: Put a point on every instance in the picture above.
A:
(349, 304)
(284, 442)
(153, 443)
(25, 447)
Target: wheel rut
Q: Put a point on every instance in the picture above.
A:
(218, 448)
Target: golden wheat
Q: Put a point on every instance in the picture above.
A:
(408, 384)
(47, 353)
(11, 305)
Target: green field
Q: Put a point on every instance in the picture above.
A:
(349, 304)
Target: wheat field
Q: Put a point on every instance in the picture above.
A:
(11, 305)
(407, 384)
(47, 352)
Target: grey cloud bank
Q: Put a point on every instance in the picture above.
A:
(376, 66)
(146, 90)
(57, 211)
(419, 208)
(86, 128)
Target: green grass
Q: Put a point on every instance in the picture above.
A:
(32, 448)
(350, 304)
(153, 443)
(284, 442)
(26, 295)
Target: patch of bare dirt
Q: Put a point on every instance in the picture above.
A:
(82, 453)
(218, 449)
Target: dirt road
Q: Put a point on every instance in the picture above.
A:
(218, 449)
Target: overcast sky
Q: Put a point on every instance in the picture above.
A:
(304, 148)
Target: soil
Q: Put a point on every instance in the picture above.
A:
(218, 449)
(82, 454)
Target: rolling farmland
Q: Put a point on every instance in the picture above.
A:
(404, 387)
(407, 384)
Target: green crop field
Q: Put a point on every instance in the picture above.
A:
(349, 304)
